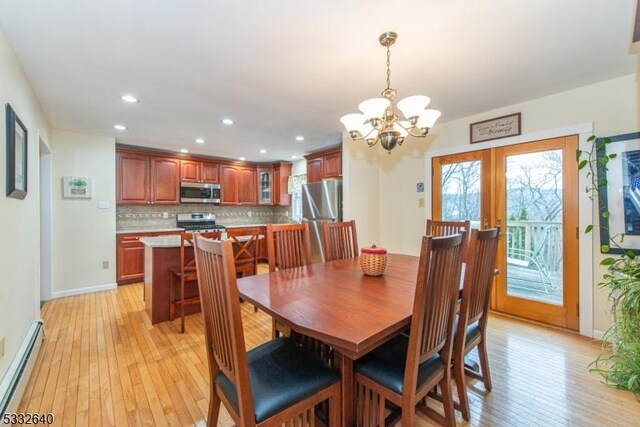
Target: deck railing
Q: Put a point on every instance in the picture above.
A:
(537, 242)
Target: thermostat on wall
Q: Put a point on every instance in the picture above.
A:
(420, 187)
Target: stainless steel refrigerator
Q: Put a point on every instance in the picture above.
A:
(321, 201)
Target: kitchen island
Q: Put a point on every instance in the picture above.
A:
(160, 254)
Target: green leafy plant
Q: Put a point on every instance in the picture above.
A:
(77, 182)
(619, 362)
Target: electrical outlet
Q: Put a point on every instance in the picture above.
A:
(105, 265)
(249, 214)
(421, 202)
(1, 347)
(165, 215)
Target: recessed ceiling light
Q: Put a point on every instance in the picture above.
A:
(184, 151)
(243, 158)
(120, 127)
(227, 121)
(129, 98)
(263, 151)
(294, 157)
(200, 140)
(299, 138)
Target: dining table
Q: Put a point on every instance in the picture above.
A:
(336, 303)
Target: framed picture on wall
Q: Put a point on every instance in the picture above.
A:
(620, 197)
(16, 155)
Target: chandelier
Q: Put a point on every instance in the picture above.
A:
(379, 121)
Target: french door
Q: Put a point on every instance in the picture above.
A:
(531, 191)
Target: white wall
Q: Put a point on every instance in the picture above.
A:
(299, 167)
(611, 105)
(83, 235)
(20, 219)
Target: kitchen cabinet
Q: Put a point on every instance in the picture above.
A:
(147, 179)
(130, 256)
(132, 179)
(314, 170)
(248, 188)
(238, 185)
(195, 171)
(324, 164)
(281, 174)
(265, 186)
(165, 181)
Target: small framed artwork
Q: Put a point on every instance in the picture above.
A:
(16, 155)
(77, 187)
(500, 127)
(620, 197)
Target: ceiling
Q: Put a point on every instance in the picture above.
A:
(283, 68)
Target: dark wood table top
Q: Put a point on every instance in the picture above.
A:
(337, 303)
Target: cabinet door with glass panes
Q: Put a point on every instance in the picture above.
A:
(265, 186)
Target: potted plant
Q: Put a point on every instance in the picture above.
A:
(619, 362)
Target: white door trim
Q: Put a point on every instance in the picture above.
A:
(46, 236)
(585, 207)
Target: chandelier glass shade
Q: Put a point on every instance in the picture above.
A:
(379, 120)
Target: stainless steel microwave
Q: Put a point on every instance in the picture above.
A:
(198, 192)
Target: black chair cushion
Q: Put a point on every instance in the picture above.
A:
(281, 374)
(473, 330)
(386, 364)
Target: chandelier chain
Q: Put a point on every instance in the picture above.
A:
(388, 67)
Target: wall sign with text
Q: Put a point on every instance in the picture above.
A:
(500, 127)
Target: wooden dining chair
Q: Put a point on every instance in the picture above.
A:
(340, 240)
(277, 382)
(472, 318)
(245, 245)
(184, 274)
(447, 228)
(288, 246)
(404, 369)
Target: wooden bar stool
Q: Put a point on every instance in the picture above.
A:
(183, 274)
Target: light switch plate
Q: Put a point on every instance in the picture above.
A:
(103, 204)
(2, 348)
(105, 265)
(421, 202)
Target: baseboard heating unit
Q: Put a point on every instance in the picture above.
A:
(15, 380)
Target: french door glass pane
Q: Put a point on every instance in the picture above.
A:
(534, 226)
(461, 192)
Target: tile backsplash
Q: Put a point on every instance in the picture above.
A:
(158, 216)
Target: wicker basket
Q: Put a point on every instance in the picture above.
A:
(373, 260)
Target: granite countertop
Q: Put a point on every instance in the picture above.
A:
(244, 225)
(148, 230)
(171, 241)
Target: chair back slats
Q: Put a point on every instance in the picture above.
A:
(479, 273)
(340, 240)
(447, 228)
(288, 245)
(436, 295)
(219, 298)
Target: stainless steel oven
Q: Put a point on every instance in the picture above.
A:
(198, 192)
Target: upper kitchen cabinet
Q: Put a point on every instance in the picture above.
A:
(132, 179)
(247, 190)
(281, 174)
(147, 179)
(238, 185)
(165, 181)
(265, 185)
(195, 171)
(324, 164)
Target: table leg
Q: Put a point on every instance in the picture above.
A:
(345, 364)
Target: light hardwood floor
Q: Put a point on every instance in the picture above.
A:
(103, 363)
